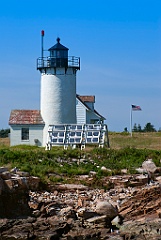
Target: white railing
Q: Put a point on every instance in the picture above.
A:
(77, 134)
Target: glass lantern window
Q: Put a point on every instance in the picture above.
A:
(59, 53)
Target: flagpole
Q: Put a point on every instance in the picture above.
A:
(131, 121)
(136, 108)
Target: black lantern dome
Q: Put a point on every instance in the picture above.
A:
(59, 55)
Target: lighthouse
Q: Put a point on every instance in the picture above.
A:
(64, 118)
(58, 86)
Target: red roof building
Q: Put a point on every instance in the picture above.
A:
(25, 117)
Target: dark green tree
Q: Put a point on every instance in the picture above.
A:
(125, 129)
(135, 129)
(4, 133)
(139, 128)
(149, 128)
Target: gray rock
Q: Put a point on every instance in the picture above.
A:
(141, 229)
(89, 214)
(23, 174)
(5, 175)
(149, 166)
(92, 173)
(116, 221)
(3, 169)
(106, 208)
(141, 170)
(98, 221)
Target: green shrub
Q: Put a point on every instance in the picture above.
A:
(43, 164)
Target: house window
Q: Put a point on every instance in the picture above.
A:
(94, 121)
(25, 134)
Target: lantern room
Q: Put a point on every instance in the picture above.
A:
(58, 58)
(58, 55)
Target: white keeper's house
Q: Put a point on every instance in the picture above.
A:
(59, 103)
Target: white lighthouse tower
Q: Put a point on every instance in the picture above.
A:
(58, 86)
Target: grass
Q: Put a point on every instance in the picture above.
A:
(4, 142)
(59, 165)
(122, 140)
(138, 140)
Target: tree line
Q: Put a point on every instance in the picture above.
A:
(4, 133)
(147, 128)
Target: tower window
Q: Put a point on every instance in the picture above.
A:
(25, 134)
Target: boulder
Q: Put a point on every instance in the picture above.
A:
(141, 229)
(5, 175)
(23, 174)
(103, 168)
(116, 221)
(98, 222)
(33, 182)
(106, 208)
(92, 173)
(89, 214)
(144, 201)
(143, 179)
(3, 169)
(149, 166)
(10, 185)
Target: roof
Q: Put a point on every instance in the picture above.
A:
(99, 115)
(58, 46)
(25, 117)
(87, 98)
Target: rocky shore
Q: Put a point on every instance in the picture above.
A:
(130, 209)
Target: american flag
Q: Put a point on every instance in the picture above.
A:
(136, 108)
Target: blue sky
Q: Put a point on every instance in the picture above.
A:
(118, 41)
